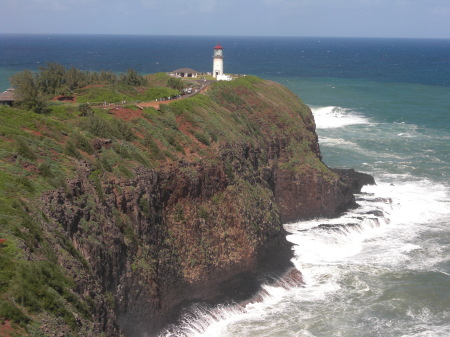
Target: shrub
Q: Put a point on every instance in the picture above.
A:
(26, 183)
(121, 150)
(172, 141)
(125, 171)
(202, 138)
(81, 142)
(45, 170)
(9, 311)
(24, 150)
(84, 109)
(40, 286)
(103, 128)
(105, 164)
(97, 126)
(144, 205)
(156, 153)
(71, 150)
(30, 232)
(122, 130)
(175, 83)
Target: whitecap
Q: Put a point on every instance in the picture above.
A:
(337, 142)
(335, 117)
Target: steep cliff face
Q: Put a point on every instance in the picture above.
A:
(192, 201)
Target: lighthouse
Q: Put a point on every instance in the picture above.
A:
(218, 61)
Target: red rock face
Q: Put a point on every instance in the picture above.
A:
(309, 194)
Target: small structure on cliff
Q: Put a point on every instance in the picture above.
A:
(218, 64)
(185, 72)
(7, 97)
(218, 61)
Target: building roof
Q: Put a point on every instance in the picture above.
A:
(8, 95)
(185, 70)
(218, 46)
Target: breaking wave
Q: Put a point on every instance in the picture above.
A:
(335, 117)
(355, 270)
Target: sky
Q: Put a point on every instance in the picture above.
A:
(333, 18)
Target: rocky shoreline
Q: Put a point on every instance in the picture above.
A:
(273, 266)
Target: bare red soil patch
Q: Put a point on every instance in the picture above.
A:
(156, 104)
(127, 114)
(33, 132)
(6, 330)
(150, 104)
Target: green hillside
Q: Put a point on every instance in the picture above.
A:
(199, 172)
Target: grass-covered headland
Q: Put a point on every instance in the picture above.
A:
(104, 210)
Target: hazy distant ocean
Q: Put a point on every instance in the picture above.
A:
(381, 106)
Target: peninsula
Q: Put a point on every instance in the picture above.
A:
(114, 218)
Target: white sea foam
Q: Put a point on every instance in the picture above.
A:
(336, 117)
(338, 142)
(342, 262)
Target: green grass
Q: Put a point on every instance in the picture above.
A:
(98, 95)
(158, 79)
(42, 286)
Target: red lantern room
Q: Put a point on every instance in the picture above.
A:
(218, 50)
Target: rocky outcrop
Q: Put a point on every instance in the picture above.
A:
(198, 230)
(354, 180)
(304, 196)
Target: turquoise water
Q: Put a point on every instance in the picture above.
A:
(401, 128)
(381, 107)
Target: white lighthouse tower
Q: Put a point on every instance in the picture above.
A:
(218, 61)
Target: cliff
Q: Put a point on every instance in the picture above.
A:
(114, 220)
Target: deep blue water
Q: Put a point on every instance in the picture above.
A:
(389, 60)
(381, 106)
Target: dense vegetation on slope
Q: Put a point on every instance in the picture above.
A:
(105, 210)
(33, 90)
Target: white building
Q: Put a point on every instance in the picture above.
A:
(184, 72)
(218, 61)
(224, 78)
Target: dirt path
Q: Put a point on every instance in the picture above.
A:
(129, 114)
(157, 104)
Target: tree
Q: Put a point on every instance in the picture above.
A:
(175, 83)
(132, 78)
(75, 79)
(27, 91)
(51, 78)
(93, 78)
(107, 77)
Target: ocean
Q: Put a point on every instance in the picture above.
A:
(382, 106)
